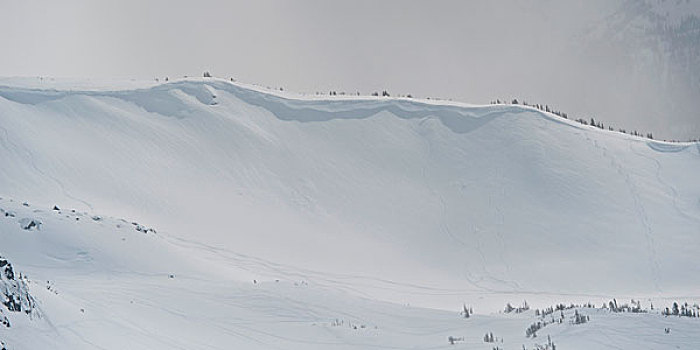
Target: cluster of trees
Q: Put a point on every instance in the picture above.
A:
(452, 340)
(582, 121)
(531, 331)
(489, 338)
(544, 312)
(601, 126)
(544, 108)
(354, 326)
(635, 307)
(547, 346)
(466, 311)
(560, 307)
(579, 319)
(384, 94)
(336, 93)
(682, 310)
(509, 308)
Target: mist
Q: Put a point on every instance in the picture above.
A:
(630, 64)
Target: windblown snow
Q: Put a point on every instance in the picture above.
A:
(203, 214)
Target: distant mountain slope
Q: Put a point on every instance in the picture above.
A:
(653, 45)
(420, 199)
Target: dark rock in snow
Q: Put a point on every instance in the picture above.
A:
(4, 321)
(144, 229)
(30, 224)
(14, 293)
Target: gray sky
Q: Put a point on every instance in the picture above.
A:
(587, 58)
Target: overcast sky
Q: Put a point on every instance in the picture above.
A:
(545, 51)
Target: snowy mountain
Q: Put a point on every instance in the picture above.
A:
(202, 213)
(654, 46)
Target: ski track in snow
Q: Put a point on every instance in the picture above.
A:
(648, 232)
(639, 207)
(668, 187)
(11, 146)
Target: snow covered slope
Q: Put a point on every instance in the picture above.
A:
(375, 203)
(107, 283)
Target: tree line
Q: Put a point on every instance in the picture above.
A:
(583, 121)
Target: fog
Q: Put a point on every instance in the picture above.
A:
(631, 64)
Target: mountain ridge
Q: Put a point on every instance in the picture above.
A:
(29, 91)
